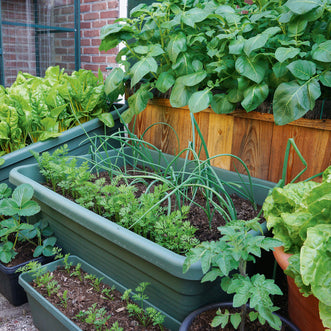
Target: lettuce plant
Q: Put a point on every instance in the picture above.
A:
(222, 53)
(15, 227)
(299, 216)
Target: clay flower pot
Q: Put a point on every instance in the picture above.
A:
(303, 311)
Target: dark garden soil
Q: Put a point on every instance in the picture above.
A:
(24, 252)
(81, 296)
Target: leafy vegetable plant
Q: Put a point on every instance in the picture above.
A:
(15, 227)
(35, 109)
(227, 258)
(219, 53)
(299, 216)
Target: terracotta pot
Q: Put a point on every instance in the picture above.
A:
(303, 311)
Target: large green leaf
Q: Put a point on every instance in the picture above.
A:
(254, 96)
(253, 68)
(114, 84)
(107, 119)
(302, 69)
(291, 101)
(176, 45)
(142, 68)
(302, 6)
(255, 43)
(284, 53)
(236, 45)
(137, 102)
(165, 81)
(194, 15)
(200, 100)
(323, 52)
(297, 27)
(180, 95)
(193, 79)
(221, 105)
(325, 78)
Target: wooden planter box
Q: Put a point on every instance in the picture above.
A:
(253, 137)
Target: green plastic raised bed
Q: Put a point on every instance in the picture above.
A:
(124, 255)
(47, 317)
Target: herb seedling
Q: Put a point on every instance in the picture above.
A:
(67, 265)
(95, 281)
(64, 298)
(228, 258)
(145, 316)
(77, 272)
(95, 316)
(107, 292)
(115, 327)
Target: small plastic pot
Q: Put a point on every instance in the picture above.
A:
(190, 318)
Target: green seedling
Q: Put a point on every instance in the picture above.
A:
(95, 316)
(107, 292)
(77, 272)
(64, 299)
(115, 327)
(67, 265)
(227, 258)
(145, 316)
(95, 281)
(52, 287)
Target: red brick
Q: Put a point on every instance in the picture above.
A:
(92, 67)
(112, 4)
(91, 33)
(85, 42)
(90, 50)
(98, 59)
(85, 25)
(90, 16)
(99, 6)
(95, 42)
(85, 8)
(85, 58)
(99, 24)
(109, 14)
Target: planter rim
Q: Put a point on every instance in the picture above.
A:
(136, 244)
(189, 319)
(281, 257)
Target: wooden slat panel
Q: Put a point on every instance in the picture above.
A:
(314, 145)
(251, 142)
(252, 136)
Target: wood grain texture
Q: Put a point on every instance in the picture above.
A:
(251, 136)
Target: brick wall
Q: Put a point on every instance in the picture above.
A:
(19, 47)
(94, 15)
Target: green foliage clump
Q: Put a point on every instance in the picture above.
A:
(220, 53)
(227, 258)
(299, 216)
(15, 209)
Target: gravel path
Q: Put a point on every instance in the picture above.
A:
(15, 318)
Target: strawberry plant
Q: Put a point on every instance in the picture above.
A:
(15, 228)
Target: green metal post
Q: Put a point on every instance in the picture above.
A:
(2, 70)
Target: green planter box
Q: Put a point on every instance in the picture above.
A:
(47, 317)
(75, 138)
(122, 254)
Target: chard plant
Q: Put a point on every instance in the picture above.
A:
(15, 210)
(219, 53)
(35, 109)
(227, 258)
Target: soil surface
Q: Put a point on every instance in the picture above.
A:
(24, 252)
(81, 295)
